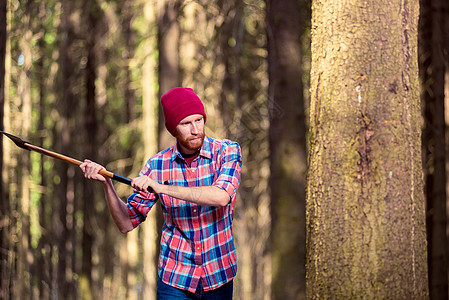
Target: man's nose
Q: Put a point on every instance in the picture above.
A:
(194, 129)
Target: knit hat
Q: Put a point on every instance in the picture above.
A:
(179, 103)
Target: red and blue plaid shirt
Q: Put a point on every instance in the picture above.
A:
(197, 241)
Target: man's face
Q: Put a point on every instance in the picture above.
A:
(190, 133)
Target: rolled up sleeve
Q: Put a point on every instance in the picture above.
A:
(139, 205)
(229, 172)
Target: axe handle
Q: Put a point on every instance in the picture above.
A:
(103, 172)
(73, 161)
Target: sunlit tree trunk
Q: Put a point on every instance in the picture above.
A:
(366, 235)
(150, 106)
(130, 261)
(23, 124)
(433, 69)
(5, 272)
(2, 95)
(288, 150)
(168, 44)
(3, 199)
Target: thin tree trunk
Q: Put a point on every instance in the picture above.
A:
(365, 203)
(445, 27)
(25, 258)
(288, 150)
(168, 44)
(66, 107)
(150, 106)
(130, 261)
(5, 273)
(90, 125)
(4, 205)
(2, 90)
(433, 77)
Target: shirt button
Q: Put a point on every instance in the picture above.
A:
(194, 210)
(198, 248)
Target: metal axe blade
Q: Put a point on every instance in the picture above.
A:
(18, 141)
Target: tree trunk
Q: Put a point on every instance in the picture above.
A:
(168, 44)
(2, 92)
(4, 205)
(90, 144)
(433, 69)
(150, 106)
(66, 106)
(43, 260)
(25, 257)
(130, 261)
(288, 150)
(366, 235)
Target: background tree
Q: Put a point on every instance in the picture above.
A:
(433, 70)
(365, 216)
(168, 12)
(4, 207)
(65, 188)
(92, 17)
(287, 147)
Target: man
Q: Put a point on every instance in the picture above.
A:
(196, 181)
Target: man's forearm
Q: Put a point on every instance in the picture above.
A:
(117, 208)
(202, 195)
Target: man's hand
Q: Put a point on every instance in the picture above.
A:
(142, 183)
(91, 169)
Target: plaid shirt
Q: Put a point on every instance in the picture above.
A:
(197, 241)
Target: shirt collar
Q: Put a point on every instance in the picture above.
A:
(205, 151)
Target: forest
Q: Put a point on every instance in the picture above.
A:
(340, 109)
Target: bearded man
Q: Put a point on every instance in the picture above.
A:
(196, 182)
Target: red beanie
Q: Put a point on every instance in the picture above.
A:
(179, 103)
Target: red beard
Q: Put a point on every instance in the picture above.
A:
(193, 143)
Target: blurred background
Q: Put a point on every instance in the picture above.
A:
(84, 78)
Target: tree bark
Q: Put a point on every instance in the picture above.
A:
(24, 101)
(150, 106)
(66, 107)
(4, 201)
(2, 88)
(168, 44)
(90, 144)
(288, 150)
(365, 200)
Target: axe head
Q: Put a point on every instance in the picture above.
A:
(18, 141)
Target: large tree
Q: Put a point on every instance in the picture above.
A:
(365, 201)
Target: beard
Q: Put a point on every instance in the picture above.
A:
(192, 143)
